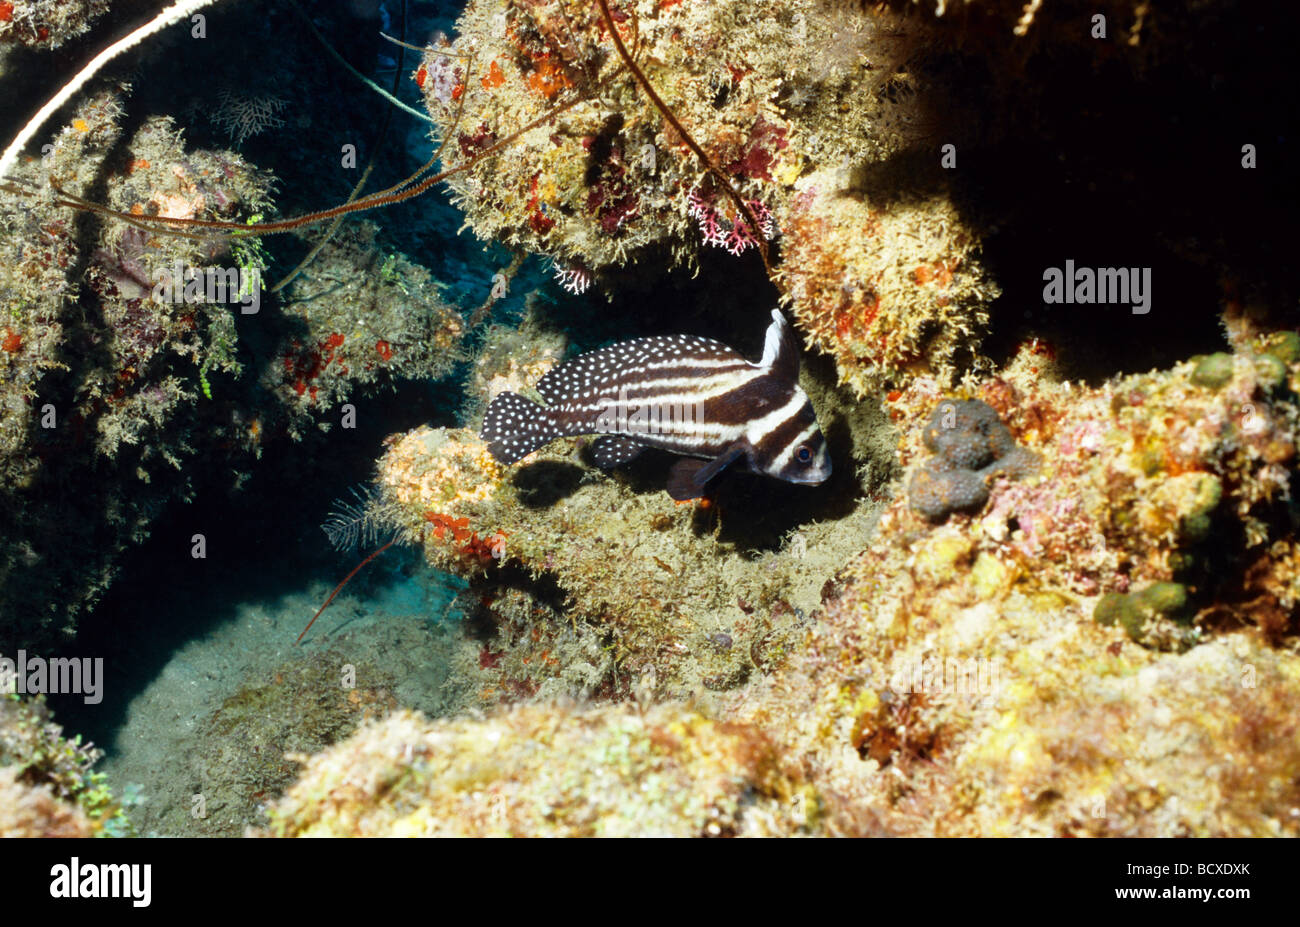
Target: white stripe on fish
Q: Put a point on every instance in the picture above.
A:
(719, 407)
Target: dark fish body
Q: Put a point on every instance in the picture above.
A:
(685, 394)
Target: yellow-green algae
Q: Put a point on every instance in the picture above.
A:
(547, 770)
(34, 811)
(1080, 730)
(677, 601)
(954, 680)
(794, 101)
(48, 787)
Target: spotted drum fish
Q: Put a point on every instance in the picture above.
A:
(681, 393)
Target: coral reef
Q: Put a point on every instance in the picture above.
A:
(949, 704)
(613, 771)
(596, 584)
(1071, 658)
(1136, 474)
(103, 382)
(47, 23)
(882, 273)
(824, 116)
(771, 91)
(136, 365)
(360, 315)
(837, 124)
(1009, 671)
(657, 580)
(599, 188)
(1040, 595)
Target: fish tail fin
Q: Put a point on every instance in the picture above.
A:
(514, 427)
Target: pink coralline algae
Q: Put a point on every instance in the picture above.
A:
(574, 279)
(733, 234)
(440, 77)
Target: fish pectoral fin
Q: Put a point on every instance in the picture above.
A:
(715, 466)
(689, 475)
(682, 484)
(609, 451)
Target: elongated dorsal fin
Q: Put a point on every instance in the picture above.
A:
(780, 349)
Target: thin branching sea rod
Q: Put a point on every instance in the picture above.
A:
(603, 133)
(601, 68)
(416, 184)
(580, 88)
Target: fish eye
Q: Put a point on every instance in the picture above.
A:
(803, 454)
